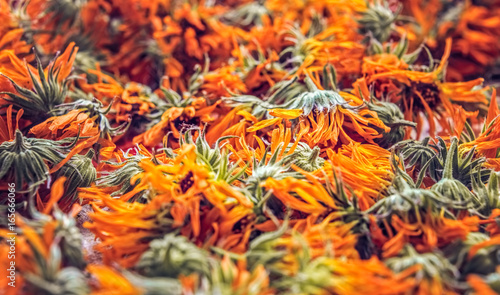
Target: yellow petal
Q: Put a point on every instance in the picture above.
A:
(247, 116)
(286, 114)
(263, 124)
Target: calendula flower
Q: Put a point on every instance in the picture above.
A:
(174, 113)
(249, 14)
(179, 190)
(194, 31)
(419, 93)
(426, 232)
(52, 222)
(452, 188)
(26, 159)
(117, 180)
(486, 144)
(328, 117)
(312, 53)
(392, 117)
(216, 159)
(139, 223)
(474, 255)
(470, 95)
(46, 90)
(302, 274)
(222, 82)
(134, 99)
(94, 109)
(12, 31)
(405, 198)
(378, 20)
(172, 256)
(467, 24)
(488, 195)
(79, 172)
(436, 274)
(110, 281)
(264, 166)
(67, 125)
(261, 73)
(327, 237)
(257, 36)
(300, 195)
(306, 158)
(463, 164)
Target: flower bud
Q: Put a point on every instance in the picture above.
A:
(172, 256)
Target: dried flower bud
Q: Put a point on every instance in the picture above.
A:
(404, 199)
(247, 14)
(484, 261)
(94, 108)
(488, 195)
(317, 100)
(390, 114)
(459, 195)
(261, 171)
(68, 281)
(53, 279)
(306, 158)
(79, 172)
(433, 265)
(71, 239)
(172, 256)
(24, 160)
(378, 20)
(47, 93)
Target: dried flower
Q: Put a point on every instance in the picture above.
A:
(172, 256)
(26, 159)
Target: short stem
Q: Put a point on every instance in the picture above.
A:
(90, 154)
(18, 141)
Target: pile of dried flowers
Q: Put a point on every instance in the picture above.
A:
(249, 147)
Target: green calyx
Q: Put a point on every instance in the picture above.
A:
(406, 199)
(46, 95)
(306, 158)
(214, 158)
(317, 100)
(26, 160)
(433, 264)
(79, 172)
(390, 114)
(452, 188)
(172, 256)
(483, 262)
(378, 20)
(247, 14)
(53, 277)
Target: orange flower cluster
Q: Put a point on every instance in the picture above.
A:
(249, 147)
